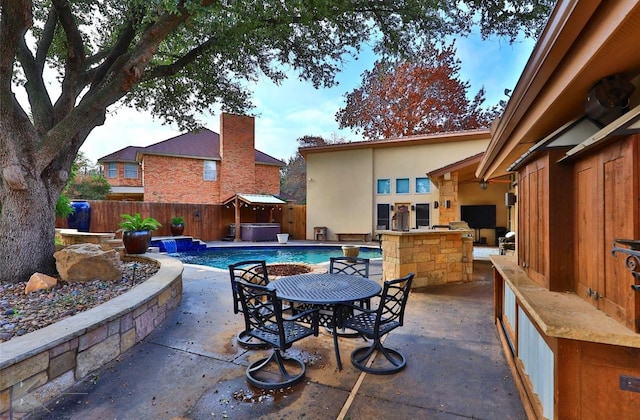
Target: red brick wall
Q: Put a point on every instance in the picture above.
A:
(237, 149)
(267, 179)
(120, 180)
(178, 180)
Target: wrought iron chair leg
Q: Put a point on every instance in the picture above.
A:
(360, 356)
(277, 358)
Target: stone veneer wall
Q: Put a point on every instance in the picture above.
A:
(435, 256)
(39, 366)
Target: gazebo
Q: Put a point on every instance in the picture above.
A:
(247, 200)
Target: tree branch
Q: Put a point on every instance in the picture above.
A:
(180, 63)
(121, 46)
(15, 19)
(39, 100)
(74, 60)
(126, 71)
(47, 38)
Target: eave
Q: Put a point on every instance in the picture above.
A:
(583, 42)
(422, 139)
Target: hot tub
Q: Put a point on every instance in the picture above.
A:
(257, 232)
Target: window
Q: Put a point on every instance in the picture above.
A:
(131, 170)
(423, 185)
(402, 186)
(384, 186)
(112, 170)
(210, 170)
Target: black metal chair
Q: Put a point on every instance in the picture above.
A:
(375, 323)
(264, 321)
(254, 272)
(353, 266)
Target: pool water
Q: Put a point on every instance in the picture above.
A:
(222, 257)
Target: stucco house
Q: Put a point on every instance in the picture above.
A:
(415, 182)
(567, 304)
(199, 167)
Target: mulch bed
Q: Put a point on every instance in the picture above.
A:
(21, 314)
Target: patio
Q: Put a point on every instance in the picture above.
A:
(191, 367)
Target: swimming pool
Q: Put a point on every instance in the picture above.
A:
(222, 257)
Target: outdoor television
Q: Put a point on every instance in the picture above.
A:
(479, 216)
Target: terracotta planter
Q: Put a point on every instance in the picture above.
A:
(137, 241)
(176, 230)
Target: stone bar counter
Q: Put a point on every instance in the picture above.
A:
(436, 256)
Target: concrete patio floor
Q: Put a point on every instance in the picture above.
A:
(190, 367)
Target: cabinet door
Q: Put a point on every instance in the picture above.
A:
(620, 198)
(533, 236)
(606, 203)
(588, 207)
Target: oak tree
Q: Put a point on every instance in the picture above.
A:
(415, 96)
(65, 63)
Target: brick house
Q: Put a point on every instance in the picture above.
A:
(199, 167)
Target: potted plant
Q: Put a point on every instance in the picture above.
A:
(177, 225)
(136, 232)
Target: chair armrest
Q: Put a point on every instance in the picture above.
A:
(315, 318)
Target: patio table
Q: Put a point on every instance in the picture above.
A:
(325, 289)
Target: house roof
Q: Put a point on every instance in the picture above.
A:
(582, 43)
(197, 144)
(201, 144)
(465, 168)
(128, 154)
(420, 139)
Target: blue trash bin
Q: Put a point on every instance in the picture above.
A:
(81, 217)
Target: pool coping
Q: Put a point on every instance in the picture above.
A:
(41, 365)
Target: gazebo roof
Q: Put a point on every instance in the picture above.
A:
(256, 199)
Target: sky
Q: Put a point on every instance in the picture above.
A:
(293, 109)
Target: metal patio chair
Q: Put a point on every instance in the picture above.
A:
(375, 323)
(254, 272)
(264, 321)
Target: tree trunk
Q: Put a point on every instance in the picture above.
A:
(27, 223)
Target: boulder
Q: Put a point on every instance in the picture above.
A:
(85, 262)
(39, 281)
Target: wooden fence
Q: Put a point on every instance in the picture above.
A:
(207, 222)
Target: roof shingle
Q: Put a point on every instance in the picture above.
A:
(200, 144)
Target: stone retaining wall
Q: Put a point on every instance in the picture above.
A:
(39, 366)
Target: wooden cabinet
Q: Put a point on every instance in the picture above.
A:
(571, 360)
(569, 215)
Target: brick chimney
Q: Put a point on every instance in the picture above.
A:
(237, 150)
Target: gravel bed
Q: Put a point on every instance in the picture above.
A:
(21, 314)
